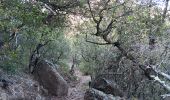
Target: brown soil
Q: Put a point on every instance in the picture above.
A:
(77, 92)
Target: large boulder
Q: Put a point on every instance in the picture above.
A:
(50, 79)
(107, 86)
(93, 94)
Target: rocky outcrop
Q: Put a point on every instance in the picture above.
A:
(50, 79)
(20, 87)
(93, 94)
(107, 86)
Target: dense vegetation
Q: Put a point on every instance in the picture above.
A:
(123, 40)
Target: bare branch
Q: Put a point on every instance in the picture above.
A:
(50, 9)
(97, 43)
(165, 95)
(14, 32)
(165, 11)
(164, 75)
(104, 7)
(88, 2)
(99, 31)
(87, 60)
(157, 79)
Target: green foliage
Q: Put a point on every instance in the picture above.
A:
(132, 30)
(57, 50)
(33, 31)
(86, 68)
(63, 66)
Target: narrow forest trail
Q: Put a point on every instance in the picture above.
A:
(77, 92)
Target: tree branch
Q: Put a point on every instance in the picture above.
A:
(88, 2)
(165, 11)
(50, 9)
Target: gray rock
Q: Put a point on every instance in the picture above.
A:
(93, 94)
(107, 86)
(50, 79)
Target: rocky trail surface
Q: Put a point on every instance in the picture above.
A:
(77, 92)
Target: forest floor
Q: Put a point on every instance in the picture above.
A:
(77, 92)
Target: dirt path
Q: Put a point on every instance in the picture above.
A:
(77, 92)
